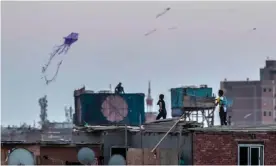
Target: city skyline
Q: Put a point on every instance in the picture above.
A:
(213, 41)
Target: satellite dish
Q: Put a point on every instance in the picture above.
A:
(117, 159)
(86, 156)
(21, 157)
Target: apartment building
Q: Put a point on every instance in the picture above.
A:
(253, 102)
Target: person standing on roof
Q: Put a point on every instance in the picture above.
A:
(119, 89)
(221, 101)
(162, 108)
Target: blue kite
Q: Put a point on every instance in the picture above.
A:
(61, 49)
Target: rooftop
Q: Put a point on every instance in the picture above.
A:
(259, 128)
(161, 126)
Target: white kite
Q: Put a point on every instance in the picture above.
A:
(162, 13)
(150, 32)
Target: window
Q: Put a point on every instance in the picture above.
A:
(269, 113)
(264, 90)
(264, 113)
(269, 90)
(250, 154)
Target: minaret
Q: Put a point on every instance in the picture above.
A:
(150, 114)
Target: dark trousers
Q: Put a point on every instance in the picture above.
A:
(162, 114)
(222, 116)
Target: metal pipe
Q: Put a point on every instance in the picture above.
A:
(179, 145)
(255, 105)
(141, 138)
(274, 113)
(166, 133)
(126, 138)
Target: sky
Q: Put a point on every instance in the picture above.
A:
(213, 41)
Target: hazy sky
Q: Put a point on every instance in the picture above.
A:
(213, 41)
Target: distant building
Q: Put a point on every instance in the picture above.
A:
(60, 125)
(253, 102)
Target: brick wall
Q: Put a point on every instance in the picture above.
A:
(222, 148)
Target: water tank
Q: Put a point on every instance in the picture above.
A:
(177, 95)
(111, 109)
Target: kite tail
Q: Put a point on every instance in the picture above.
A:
(66, 49)
(44, 68)
(54, 77)
(53, 54)
(62, 50)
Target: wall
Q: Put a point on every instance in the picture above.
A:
(254, 104)
(26, 135)
(146, 157)
(268, 102)
(117, 139)
(56, 134)
(246, 96)
(114, 139)
(149, 140)
(267, 73)
(88, 138)
(60, 152)
(64, 153)
(222, 148)
(5, 148)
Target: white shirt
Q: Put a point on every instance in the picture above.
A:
(224, 107)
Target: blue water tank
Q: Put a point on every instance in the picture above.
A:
(111, 109)
(177, 95)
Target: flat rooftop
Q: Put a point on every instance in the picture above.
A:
(259, 128)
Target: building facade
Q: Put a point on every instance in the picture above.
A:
(234, 146)
(253, 102)
(254, 145)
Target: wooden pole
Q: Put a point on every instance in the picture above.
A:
(167, 133)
